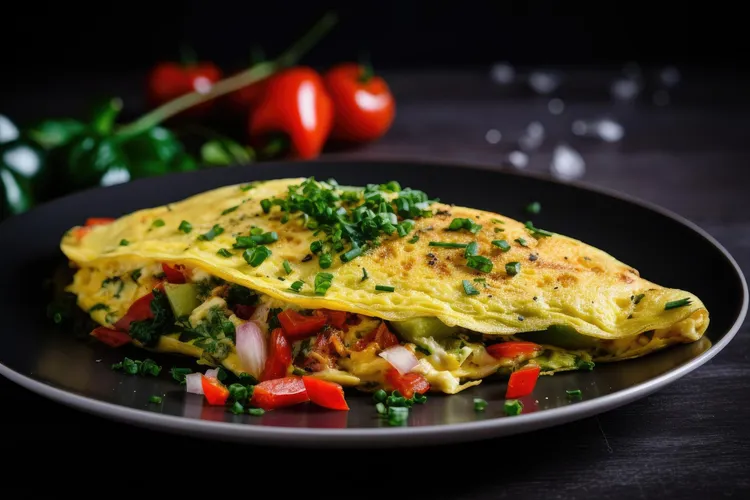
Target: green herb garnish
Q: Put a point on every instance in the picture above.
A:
(677, 303)
(323, 282)
(534, 207)
(513, 268)
(247, 187)
(237, 408)
(471, 249)
(256, 412)
(380, 396)
(397, 415)
(385, 288)
(238, 392)
(211, 233)
(287, 267)
(446, 244)
(230, 210)
(135, 275)
(224, 252)
(325, 260)
(414, 239)
(536, 232)
(502, 244)
(297, 285)
(521, 242)
(99, 307)
(574, 393)
(364, 274)
(513, 407)
(155, 400)
(638, 298)
(179, 373)
(585, 365)
(158, 223)
(463, 223)
(185, 227)
(469, 289)
(124, 242)
(381, 409)
(256, 256)
(480, 404)
(480, 263)
(138, 367)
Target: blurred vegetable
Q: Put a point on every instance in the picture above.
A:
(23, 174)
(294, 108)
(363, 105)
(247, 98)
(169, 80)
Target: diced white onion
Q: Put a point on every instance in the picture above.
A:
(251, 348)
(401, 358)
(212, 373)
(194, 383)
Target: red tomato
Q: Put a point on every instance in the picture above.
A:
(407, 384)
(363, 105)
(279, 356)
(174, 273)
(522, 382)
(512, 349)
(139, 310)
(170, 80)
(113, 338)
(272, 394)
(297, 326)
(216, 393)
(334, 318)
(326, 394)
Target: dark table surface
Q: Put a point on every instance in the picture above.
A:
(691, 439)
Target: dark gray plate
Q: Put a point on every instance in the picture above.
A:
(662, 246)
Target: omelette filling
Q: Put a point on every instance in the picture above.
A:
(176, 309)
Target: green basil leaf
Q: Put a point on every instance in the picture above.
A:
(54, 133)
(226, 152)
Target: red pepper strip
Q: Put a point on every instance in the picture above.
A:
(380, 335)
(112, 338)
(407, 384)
(272, 394)
(296, 326)
(296, 104)
(216, 393)
(174, 274)
(334, 318)
(279, 356)
(522, 382)
(139, 310)
(326, 394)
(512, 349)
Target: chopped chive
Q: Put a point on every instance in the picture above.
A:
(230, 210)
(224, 252)
(513, 407)
(536, 232)
(677, 303)
(261, 238)
(414, 239)
(385, 288)
(247, 187)
(480, 263)
(135, 275)
(585, 365)
(265, 205)
(351, 254)
(185, 227)
(498, 229)
(124, 243)
(480, 404)
(325, 260)
(256, 412)
(521, 242)
(513, 268)
(446, 244)
(237, 408)
(211, 233)
(397, 415)
(380, 396)
(502, 244)
(463, 223)
(287, 267)
(364, 274)
(381, 409)
(158, 223)
(574, 393)
(155, 400)
(297, 285)
(534, 207)
(469, 288)
(256, 256)
(638, 298)
(323, 283)
(419, 398)
(179, 373)
(99, 307)
(471, 249)
(497, 221)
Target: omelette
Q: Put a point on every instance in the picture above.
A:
(374, 287)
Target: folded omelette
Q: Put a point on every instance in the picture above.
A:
(300, 276)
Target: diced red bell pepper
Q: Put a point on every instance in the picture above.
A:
(174, 273)
(216, 393)
(279, 356)
(512, 349)
(280, 392)
(297, 326)
(324, 393)
(113, 338)
(139, 310)
(407, 384)
(380, 335)
(334, 318)
(522, 382)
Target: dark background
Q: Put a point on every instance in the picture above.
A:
(70, 37)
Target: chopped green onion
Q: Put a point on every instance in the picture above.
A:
(364, 274)
(480, 263)
(380, 396)
(385, 288)
(158, 223)
(265, 205)
(498, 229)
(325, 260)
(638, 298)
(185, 227)
(256, 256)
(446, 244)
(238, 392)
(179, 374)
(224, 252)
(256, 412)
(155, 400)
(287, 267)
(351, 254)
(135, 275)
(397, 415)
(677, 303)
(513, 268)
(414, 239)
(574, 393)
(513, 407)
(297, 285)
(237, 408)
(534, 207)
(230, 210)
(463, 223)
(472, 249)
(419, 398)
(497, 221)
(502, 244)
(521, 242)
(469, 289)
(585, 365)
(124, 243)
(211, 233)
(247, 187)
(535, 231)
(380, 407)
(264, 238)
(480, 404)
(323, 283)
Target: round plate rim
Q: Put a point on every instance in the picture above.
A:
(403, 436)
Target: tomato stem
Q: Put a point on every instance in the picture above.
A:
(367, 71)
(251, 75)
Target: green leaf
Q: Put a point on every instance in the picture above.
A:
(54, 133)
(105, 114)
(156, 152)
(24, 178)
(226, 152)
